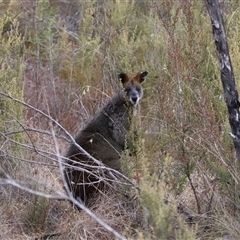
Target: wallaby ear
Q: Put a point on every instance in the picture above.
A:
(142, 76)
(123, 77)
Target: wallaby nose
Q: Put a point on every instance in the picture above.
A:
(134, 99)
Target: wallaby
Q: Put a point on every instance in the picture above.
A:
(104, 138)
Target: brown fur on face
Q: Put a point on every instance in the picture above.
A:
(103, 138)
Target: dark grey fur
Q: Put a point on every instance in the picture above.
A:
(103, 138)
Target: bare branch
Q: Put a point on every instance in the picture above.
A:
(226, 69)
(19, 185)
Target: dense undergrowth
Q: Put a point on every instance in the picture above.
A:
(59, 62)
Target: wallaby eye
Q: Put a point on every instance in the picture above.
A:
(138, 88)
(127, 90)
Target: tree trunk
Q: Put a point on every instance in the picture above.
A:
(227, 75)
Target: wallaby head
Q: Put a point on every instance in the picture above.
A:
(132, 86)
